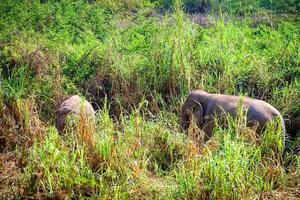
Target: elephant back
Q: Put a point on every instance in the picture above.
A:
(75, 106)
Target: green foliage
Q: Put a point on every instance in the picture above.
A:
(290, 6)
(50, 49)
(117, 5)
(127, 157)
(18, 85)
(60, 167)
(233, 6)
(234, 163)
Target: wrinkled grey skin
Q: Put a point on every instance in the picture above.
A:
(73, 105)
(205, 106)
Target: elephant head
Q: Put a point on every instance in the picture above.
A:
(192, 108)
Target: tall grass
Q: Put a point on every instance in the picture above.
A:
(240, 7)
(122, 53)
(128, 156)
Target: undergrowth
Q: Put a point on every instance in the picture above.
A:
(145, 159)
(121, 53)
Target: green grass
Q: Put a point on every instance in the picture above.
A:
(138, 63)
(120, 162)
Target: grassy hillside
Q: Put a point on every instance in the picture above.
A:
(135, 61)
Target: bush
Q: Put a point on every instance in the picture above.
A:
(121, 53)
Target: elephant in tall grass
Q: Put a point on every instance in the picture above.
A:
(205, 107)
(75, 106)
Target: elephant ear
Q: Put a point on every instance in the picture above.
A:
(198, 112)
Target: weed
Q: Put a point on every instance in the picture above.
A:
(135, 61)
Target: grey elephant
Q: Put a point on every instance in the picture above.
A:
(73, 105)
(205, 107)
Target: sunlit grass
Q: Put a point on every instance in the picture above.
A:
(137, 152)
(142, 63)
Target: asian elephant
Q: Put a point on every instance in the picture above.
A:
(73, 105)
(205, 107)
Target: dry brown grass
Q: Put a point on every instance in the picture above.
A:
(39, 61)
(20, 124)
(9, 175)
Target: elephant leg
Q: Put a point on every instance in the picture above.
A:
(208, 130)
(255, 125)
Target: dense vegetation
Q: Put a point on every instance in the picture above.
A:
(136, 61)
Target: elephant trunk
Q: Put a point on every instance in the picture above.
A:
(184, 122)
